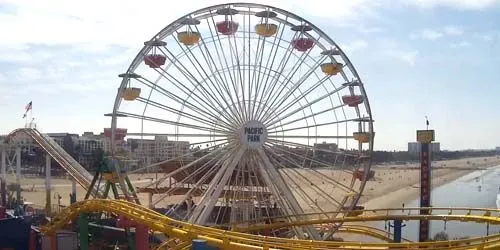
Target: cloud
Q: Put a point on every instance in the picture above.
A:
(407, 56)
(454, 4)
(27, 74)
(453, 31)
(370, 30)
(461, 44)
(435, 34)
(428, 34)
(397, 50)
(354, 46)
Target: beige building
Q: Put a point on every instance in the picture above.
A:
(147, 151)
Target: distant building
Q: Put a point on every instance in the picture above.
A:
(147, 151)
(497, 149)
(89, 143)
(414, 147)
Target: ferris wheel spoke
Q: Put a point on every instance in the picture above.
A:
(232, 77)
(278, 98)
(185, 125)
(313, 192)
(310, 136)
(276, 130)
(281, 107)
(212, 154)
(294, 69)
(284, 190)
(259, 55)
(216, 85)
(299, 190)
(282, 124)
(328, 94)
(239, 74)
(320, 192)
(269, 65)
(305, 77)
(281, 158)
(275, 79)
(281, 143)
(214, 68)
(210, 168)
(209, 199)
(208, 96)
(185, 103)
(185, 135)
(202, 120)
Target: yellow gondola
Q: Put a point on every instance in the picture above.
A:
(266, 29)
(189, 38)
(331, 68)
(130, 94)
(362, 137)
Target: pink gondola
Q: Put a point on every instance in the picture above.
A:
(154, 60)
(227, 27)
(352, 100)
(303, 44)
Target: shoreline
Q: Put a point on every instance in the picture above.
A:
(398, 196)
(409, 193)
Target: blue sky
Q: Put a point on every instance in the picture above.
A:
(416, 57)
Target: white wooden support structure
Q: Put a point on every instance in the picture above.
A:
(48, 203)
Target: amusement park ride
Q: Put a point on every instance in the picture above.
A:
(270, 136)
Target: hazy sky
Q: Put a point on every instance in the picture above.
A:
(416, 57)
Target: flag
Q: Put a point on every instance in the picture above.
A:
(29, 106)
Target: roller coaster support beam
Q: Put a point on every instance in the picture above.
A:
(397, 230)
(73, 192)
(48, 176)
(425, 137)
(18, 176)
(3, 176)
(83, 229)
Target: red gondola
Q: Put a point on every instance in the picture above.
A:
(154, 60)
(303, 44)
(227, 27)
(352, 100)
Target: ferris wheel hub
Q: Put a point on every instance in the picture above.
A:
(253, 134)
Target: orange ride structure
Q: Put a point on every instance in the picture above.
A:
(261, 133)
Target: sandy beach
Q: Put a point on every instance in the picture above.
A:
(393, 184)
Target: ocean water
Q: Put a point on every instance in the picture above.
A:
(478, 189)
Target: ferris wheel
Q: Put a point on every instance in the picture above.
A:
(249, 112)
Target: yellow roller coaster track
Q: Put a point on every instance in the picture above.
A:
(238, 240)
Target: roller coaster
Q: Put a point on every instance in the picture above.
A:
(238, 239)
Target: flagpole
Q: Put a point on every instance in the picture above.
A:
(31, 116)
